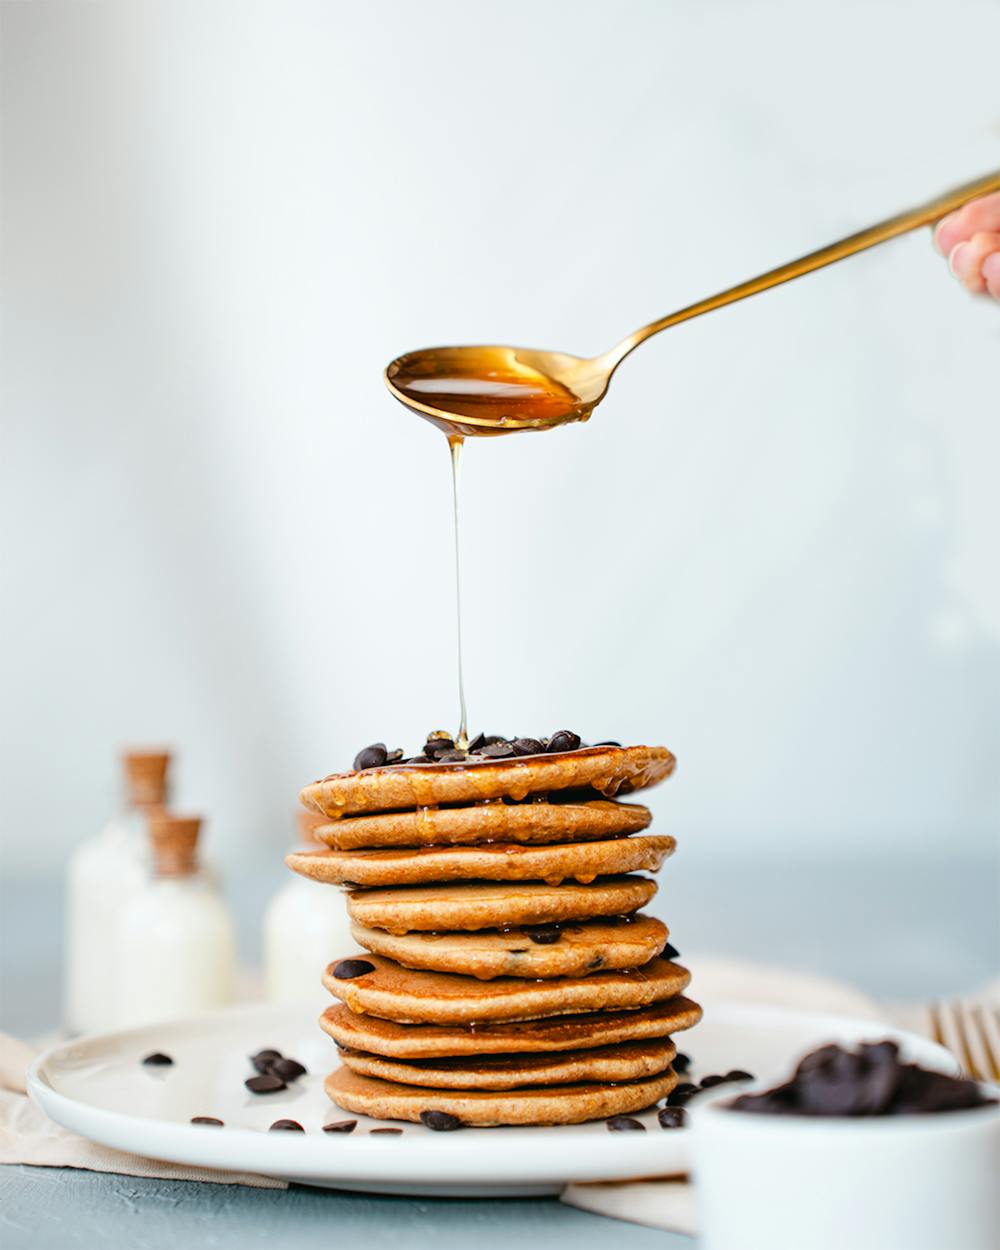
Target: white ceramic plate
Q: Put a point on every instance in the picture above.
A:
(98, 1087)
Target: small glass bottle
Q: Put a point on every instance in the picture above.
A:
(176, 941)
(306, 926)
(102, 874)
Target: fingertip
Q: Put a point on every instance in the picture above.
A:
(943, 228)
(955, 260)
(991, 274)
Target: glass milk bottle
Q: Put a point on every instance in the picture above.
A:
(177, 950)
(305, 927)
(102, 875)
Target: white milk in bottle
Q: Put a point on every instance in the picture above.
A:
(305, 927)
(102, 875)
(177, 949)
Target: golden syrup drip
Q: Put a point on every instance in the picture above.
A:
(455, 446)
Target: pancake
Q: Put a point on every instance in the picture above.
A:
(579, 949)
(553, 1034)
(491, 820)
(490, 904)
(629, 1061)
(609, 770)
(503, 861)
(558, 1104)
(410, 997)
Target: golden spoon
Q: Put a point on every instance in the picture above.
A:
(500, 390)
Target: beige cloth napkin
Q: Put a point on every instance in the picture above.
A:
(27, 1135)
(668, 1202)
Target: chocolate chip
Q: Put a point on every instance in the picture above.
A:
(341, 1126)
(287, 1126)
(419, 759)
(287, 1069)
(527, 746)
(671, 1117)
(608, 742)
(478, 741)
(158, 1060)
(263, 1059)
(348, 969)
(451, 757)
(707, 1082)
(542, 934)
(680, 1094)
(264, 1084)
(207, 1119)
(624, 1124)
(563, 740)
(440, 1121)
(394, 757)
(370, 757)
(681, 1062)
(496, 751)
(870, 1081)
(438, 736)
(669, 951)
(375, 1131)
(734, 1074)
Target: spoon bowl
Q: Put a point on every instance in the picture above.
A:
(503, 390)
(486, 390)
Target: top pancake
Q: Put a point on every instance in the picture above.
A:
(609, 770)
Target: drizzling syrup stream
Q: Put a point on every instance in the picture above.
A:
(455, 446)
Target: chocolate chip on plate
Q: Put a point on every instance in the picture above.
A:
(286, 1126)
(207, 1119)
(563, 740)
(372, 1132)
(737, 1074)
(681, 1062)
(624, 1124)
(264, 1084)
(287, 1069)
(157, 1060)
(341, 1126)
(263, 1059)
(680, 1094)
(496, 751)
(542, 934)
(527, 746)
(440, 1121)
(707, 1082)
(671, 1117)
(373, 756)
(348, 969)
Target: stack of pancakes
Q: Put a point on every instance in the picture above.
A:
(512, 978)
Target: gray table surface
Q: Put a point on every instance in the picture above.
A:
(898, 930)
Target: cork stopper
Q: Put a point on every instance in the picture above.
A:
(146, 777)
(175, 843)
(308, 823)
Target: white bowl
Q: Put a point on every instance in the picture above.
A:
(909, 1182)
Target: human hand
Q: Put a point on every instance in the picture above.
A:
(970, 238)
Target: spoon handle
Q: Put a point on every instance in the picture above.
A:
(932, 211)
